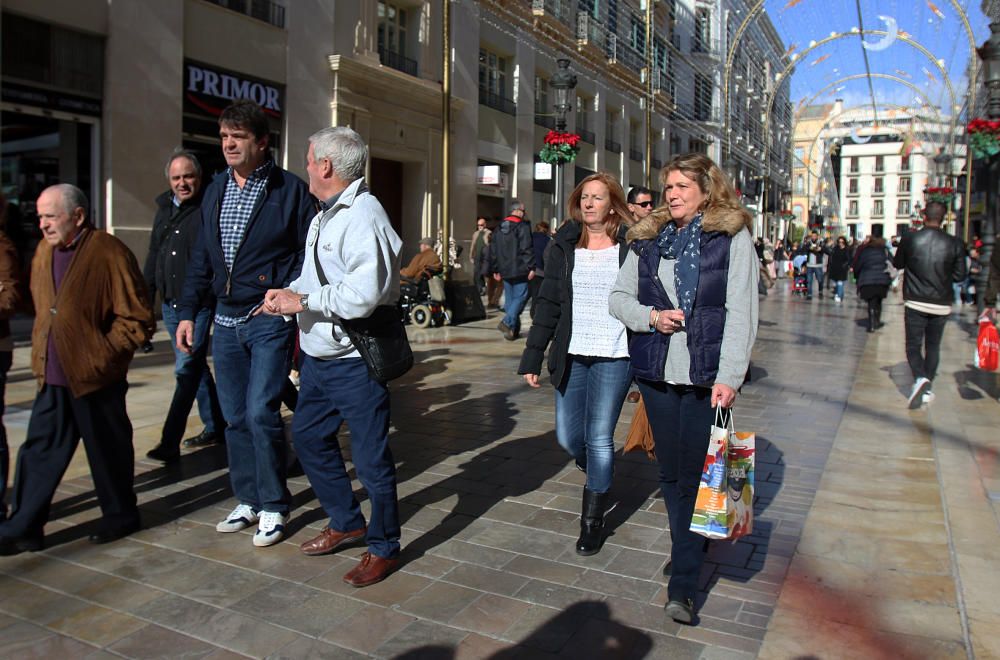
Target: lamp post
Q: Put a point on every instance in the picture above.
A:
(989, 53)
(942, 164)
(562, 84)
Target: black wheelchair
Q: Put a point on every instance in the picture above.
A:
(422, 301)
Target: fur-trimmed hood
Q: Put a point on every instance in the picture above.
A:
(725, 220)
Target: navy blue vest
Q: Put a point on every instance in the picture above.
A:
(648, 351)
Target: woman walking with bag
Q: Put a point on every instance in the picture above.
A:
(688, 293)
(588, 359)
(871, 269)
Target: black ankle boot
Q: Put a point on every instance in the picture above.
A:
(878, 315)
(871, 318)
(591, 523)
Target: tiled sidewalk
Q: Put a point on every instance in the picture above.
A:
(490, 507)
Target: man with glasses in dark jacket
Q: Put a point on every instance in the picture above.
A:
(932, 260)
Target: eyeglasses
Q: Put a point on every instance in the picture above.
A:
(645, 205)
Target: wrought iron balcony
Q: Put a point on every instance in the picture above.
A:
(392, 59)
(497, 102)
(585, 135)
(612, 146)
(635, 154)
(548, 121)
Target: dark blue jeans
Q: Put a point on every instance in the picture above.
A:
(332, 392)
(5, 362)
(681, 418)
(587, 411)
(194, 381)
(256, 356)
(814, 274)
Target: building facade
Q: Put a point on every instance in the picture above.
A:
(99, 94)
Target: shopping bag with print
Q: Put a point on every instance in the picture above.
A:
(724, 507)
(987, 346)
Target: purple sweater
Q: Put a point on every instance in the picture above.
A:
(61, 258)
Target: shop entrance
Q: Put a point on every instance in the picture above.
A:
(38, 151)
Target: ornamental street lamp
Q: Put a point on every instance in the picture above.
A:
(942, 163)
(989, 53)
(562, 84)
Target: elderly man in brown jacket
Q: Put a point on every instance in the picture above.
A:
(92, 312)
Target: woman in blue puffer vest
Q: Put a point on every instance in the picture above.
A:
(688, 293)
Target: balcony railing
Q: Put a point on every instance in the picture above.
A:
(585, 135)
(656, 163)
(262, 10)
(548, 121)
(398, 62)
(561, 10)
(612, 146)
(497, 102)
(635, 154)
(705, 47)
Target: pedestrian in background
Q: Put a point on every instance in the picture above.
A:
(512, 259)
(687, 291)
(839, 265)
(640, 204)
(478, 244)
(588, 358)
(540, 239)
(175, 229)
(870, 268)
(10, 298)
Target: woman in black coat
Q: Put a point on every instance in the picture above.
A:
(870, 267)
(840, 262)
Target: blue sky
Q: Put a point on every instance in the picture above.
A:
(934, 24)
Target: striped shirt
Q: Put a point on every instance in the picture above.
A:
(237, 207)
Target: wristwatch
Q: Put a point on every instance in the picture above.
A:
(304, 301)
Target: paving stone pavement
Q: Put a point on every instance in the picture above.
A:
(490, 508)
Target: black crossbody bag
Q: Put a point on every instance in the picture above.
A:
(380, 338)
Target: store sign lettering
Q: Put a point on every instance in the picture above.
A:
(225, 86)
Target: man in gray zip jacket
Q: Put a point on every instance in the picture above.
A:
(351, 267)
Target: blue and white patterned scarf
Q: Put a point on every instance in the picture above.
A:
(683, 245)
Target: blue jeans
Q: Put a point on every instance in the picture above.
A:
(587, 410)
(814, 274)
(515, 295)
(332, 392)
(838, 288)
(194, 380)
(257, 355)
(680, 417)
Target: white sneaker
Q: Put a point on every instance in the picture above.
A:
(242, 517)
(270, 530)
(837, 299)
(920, 387)
(928, 398)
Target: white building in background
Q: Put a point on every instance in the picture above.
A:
(883, 171)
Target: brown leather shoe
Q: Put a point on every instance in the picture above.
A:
(370, 569)
(330, 539)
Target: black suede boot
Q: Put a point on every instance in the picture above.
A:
(871, 316)
(591, 523)
(878, 313)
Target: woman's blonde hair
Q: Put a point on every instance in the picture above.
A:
(617, 214)
(713, 182)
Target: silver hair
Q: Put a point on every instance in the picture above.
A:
(181, 152)
(345, 149)
(516, 205)
(72, 197)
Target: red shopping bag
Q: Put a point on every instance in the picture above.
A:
(988, 346)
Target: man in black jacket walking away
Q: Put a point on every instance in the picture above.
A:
(178, 217)
(512, 258)
(932, 260)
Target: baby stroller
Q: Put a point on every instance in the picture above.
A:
(800, 278)
(422, 301)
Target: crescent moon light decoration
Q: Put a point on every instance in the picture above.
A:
(857, 138)
(892, 31)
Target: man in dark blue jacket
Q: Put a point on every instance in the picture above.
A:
(512, 259)
(253, 227)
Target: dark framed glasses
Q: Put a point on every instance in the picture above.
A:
(645, 205)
